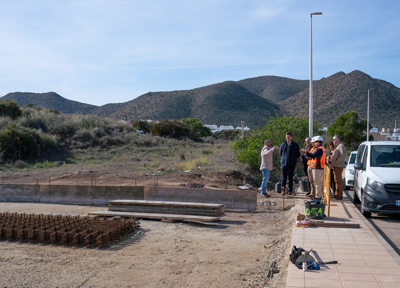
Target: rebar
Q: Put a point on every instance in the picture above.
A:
(64, 230)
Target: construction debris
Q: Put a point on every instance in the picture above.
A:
(192, 185)
(65, 230)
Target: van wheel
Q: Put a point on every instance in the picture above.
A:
(365, 213)
(356, 200)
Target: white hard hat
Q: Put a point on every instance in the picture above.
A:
(312, 139)
(318, 138)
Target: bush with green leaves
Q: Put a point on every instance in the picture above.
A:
(228, 134)
(349, 129)
(10, 109)
(171, 129)
(197, 130)
(143, 126)
(247, 149)
(18, 142)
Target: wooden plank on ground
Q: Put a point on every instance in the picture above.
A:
(155, 216)
(164, 203)
(167, 207)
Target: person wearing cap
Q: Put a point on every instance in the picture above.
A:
(317, 165)
(266, 165)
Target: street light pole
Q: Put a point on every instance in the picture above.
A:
(368, 116)
(310, 114)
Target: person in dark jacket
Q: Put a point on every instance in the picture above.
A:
(289, 152)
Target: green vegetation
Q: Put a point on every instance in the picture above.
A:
(349, 129)
(247, 149)
(9, 109)
(178, 129)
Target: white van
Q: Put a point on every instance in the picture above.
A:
(377, 177)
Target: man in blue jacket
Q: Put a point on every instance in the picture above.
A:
(289, 152)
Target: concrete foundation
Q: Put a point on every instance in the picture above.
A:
(100, 195)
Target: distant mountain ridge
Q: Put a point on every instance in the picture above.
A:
(50, 100)
(252, 100)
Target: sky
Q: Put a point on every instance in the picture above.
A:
(100, 52)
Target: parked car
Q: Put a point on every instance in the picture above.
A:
(349, 172)
(374, 130)
(376, 177)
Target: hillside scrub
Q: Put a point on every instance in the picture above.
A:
(189, 127)
(35, 132)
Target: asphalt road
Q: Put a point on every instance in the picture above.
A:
(387, 225)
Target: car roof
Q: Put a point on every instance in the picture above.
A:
(381, 142)
(353, 152)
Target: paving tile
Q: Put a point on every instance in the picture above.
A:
(371, 248)
(325, 283)
(341, 257)
(324, 274)
(386, 271)
(378, 258)
(389, 285)
(361, 284)
(351, 269)
(382, 264)
(357, 277)
(297, 274)
(295, 282)
(354, 263)
(388, 278)
(375, 252)
(354, 251)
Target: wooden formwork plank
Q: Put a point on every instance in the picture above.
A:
(155, 216)
(164, 203)
(167, 210)
(232, 199)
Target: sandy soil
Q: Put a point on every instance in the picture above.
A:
(233, 252)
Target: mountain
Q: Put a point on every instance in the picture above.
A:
(252, 100)
(49, 100)
(222, 103)
(274, 88)
(341, 92)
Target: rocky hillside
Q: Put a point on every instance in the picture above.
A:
(50, 100)
(342, 92)
(274, 88)
(222, 103)
(251, 100)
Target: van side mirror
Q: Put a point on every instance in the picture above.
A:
(359, 166)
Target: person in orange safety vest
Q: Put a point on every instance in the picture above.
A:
(316, 162)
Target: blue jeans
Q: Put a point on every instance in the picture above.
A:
(266, 173)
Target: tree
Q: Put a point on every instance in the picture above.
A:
(248, 148)
(197, 129)
(349, 129)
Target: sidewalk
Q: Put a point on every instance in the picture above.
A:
(364, 258)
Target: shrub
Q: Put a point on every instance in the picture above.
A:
(171, 129)
(10, 109)
(197, 129)
(18, 142)
(142, 126)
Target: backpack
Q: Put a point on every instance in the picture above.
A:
(296, 252)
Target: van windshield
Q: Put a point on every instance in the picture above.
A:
(385, 156)
(352, 159)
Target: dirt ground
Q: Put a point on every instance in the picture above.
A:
(233, 252)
